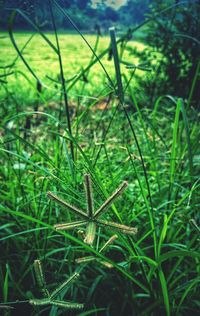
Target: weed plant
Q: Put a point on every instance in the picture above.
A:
(101, 130)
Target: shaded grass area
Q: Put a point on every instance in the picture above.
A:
(156, 151)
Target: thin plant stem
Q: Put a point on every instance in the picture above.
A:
(121, 100)
(62, 80)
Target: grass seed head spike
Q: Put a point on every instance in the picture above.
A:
(90, 218)
(110, 241)
(57, 291)
(39, 273)
(40, 302)
(119, 227)
(85, 259)
(66, 226)
(62, 304)
(89, 197)
(106, 264)
(111, 199)
(67, 305)
(51, 298)
(73, 209)
(40, 277)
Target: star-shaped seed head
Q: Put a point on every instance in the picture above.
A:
(51, 298)
(91, 219)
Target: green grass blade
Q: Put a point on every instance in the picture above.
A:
(163, 234)
(175, 143)
(120, 91)
(27, 19)
(164, 291)
(5, 284)
(121, 99)
(178, 253)
(10, 29)
(194, 82)
(189, 147)
(185, 294)
(150, 261)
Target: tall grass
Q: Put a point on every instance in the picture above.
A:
(155, 151)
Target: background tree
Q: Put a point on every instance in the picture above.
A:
(133, 12)
(173, 51)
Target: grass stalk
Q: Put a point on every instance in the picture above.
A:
(121, 99)
(62, 79)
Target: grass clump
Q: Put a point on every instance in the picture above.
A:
(115, 140)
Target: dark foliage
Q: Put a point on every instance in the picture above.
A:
(174, 51)
(82, 12)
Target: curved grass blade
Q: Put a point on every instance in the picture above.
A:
(185, 294)
(10, 30)
(174, 143)
(27, 19)
(164, 291)
(189, 147)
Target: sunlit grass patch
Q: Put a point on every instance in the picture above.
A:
(44, 62)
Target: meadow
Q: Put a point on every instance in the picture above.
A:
(45, 64)
(94, 128)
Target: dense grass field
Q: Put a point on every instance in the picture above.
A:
(112, 138)
(45, 64)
